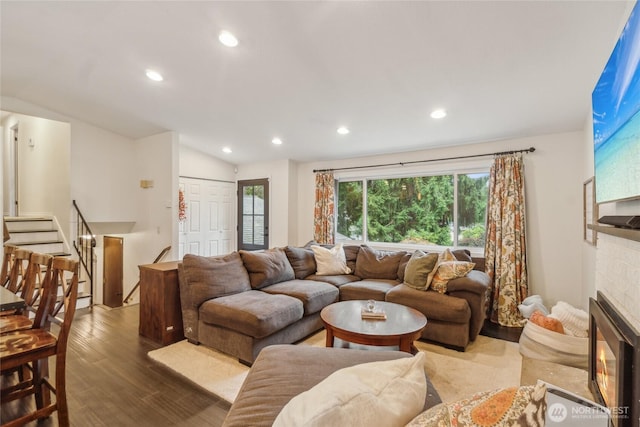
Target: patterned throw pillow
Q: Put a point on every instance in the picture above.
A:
(449, 270)
(416, 274)
(515, 406)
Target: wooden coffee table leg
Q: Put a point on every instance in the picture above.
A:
(329, 340)
(406, 345)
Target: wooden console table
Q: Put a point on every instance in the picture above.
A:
(160, 311)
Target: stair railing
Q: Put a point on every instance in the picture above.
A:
(84, 244)
(155, 261)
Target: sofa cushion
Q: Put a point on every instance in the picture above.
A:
(314, 295)
(267, 267)
(374, 264)
(337, 280)
(302, 261)
(418, 269)
(432, 304)
(388, 393)
(351, 254)
(367, 289)
(462, 255)
(330, 261)
(212, 277)
(254, 313)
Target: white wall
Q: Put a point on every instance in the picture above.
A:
(43, 162)
(196, 164)
(104, 174)
(553, 177)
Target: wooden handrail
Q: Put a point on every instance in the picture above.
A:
(155, 261)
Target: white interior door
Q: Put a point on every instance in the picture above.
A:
(210, 220)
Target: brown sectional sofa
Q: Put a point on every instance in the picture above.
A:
(244, 301)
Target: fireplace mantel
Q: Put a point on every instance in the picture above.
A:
(624, 233)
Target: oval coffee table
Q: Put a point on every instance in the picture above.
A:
(402, 326)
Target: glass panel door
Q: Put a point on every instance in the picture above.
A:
(253, 214)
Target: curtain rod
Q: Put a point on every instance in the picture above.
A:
(526, 150)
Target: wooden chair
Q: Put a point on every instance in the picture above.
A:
(7, 262)
(18, 270)
(17, 274)
(34, 281)
(35, 346)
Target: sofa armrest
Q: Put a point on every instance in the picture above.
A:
(476, 282)
(474, 288)
(189, 309)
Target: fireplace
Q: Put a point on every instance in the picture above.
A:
(614, 358)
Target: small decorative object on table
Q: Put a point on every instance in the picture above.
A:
(370, 312)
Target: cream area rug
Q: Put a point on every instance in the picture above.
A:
(488, 363)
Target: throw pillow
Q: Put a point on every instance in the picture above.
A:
(448, 270)
(375, 264)
(330, 261)
(495, 408)
(212, 277)
(546, 322)
(302, 260)
(416, 274)
(388, 393)
(447, 255)
(267, 267)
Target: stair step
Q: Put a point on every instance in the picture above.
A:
(17, 224)
(24, 237)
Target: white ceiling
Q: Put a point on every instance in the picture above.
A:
(502, 69)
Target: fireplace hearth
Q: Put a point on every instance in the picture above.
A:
(614, 362)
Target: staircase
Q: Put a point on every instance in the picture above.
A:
(41, 234)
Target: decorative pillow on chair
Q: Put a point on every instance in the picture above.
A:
(417, 272)
(330, 261)
(388, 393)
(448, 270)
(515, 406)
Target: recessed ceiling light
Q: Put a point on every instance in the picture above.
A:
(228, 39)
(439, 113)
(276, 141)
(226, 150)
(343, 130)
(154, 75)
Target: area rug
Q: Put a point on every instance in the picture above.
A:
(488, 363)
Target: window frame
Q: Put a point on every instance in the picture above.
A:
(474, 167)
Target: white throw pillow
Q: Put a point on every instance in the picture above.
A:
(330, 261)
(389, 393)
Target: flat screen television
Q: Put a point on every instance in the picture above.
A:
(616, 119)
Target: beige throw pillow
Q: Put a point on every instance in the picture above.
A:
(389, 393)
(330, 261)
(448, 270)
(416, 274)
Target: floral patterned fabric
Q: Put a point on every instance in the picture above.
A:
(505, 248)
(323, 212)
(515, 406)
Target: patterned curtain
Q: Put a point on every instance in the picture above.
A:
(323, 212)
(505, 248)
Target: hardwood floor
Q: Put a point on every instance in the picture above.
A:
(112, 382)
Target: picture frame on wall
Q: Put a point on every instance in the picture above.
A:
(590, 210)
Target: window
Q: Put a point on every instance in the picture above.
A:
(437, 210)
